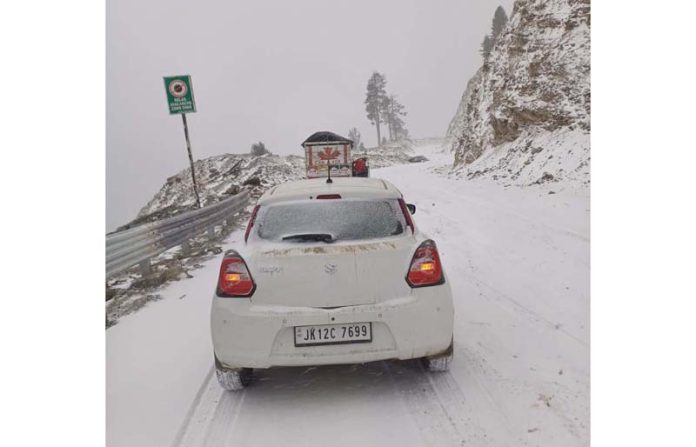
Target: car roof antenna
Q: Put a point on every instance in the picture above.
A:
(328, 169)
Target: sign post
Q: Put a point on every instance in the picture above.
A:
(180, 100)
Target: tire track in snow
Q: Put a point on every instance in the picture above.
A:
(530, 315)
(181, 433)
(487, 376)
(443, 413)
(525, 218)
(433, 403)
(221, 429)
(211, 416)
(481, 409)
(435, 424)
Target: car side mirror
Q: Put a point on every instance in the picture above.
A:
(411, 207)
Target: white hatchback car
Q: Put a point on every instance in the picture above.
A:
(330, 273)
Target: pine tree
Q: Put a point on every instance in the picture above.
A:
(486, 47)
(400, 131)
(374, 100)
(393, 111)
(500, 19)
(386, 116)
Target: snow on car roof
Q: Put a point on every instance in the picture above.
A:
(346, 187)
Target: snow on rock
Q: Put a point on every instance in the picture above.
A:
(465, 112)
(390, 154)
(220, 176)
(524, 117)
(562, 154)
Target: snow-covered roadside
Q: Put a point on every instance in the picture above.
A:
(157, 358)
(518, 261)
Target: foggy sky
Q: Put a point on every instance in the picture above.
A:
(274, 71)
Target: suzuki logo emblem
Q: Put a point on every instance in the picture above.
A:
(330, 268)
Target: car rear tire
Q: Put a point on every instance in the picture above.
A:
(440, 362)
(232, 379)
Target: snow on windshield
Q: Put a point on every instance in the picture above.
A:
(343, 219)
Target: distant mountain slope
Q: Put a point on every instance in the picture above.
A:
(525, 115)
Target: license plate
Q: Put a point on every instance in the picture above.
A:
(333, 334)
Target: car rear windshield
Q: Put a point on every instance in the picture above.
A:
(343, 219)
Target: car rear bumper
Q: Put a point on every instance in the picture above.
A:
(258, 336)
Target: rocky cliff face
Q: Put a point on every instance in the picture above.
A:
(525, 116)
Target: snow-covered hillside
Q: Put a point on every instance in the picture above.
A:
(224, 175)
(525, 116)
(219, 177)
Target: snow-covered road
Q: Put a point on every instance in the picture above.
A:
(518, 260)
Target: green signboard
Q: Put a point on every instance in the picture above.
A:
(179, 94)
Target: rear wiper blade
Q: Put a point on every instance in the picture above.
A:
(318, 237)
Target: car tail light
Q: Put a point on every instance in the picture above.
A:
(329, 196)
(251, 222)
(407, 215)
(235, 279)
(426, 268)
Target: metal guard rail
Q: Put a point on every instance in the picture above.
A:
(135, 245)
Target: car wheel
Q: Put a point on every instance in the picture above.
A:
(440, 362)
(232, 379)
